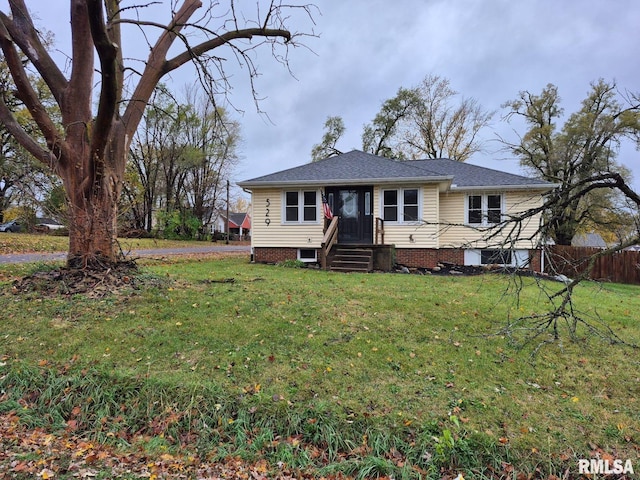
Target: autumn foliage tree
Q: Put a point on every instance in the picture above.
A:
(578, 156)
(88, 151)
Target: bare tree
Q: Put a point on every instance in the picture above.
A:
(141, 185)
(417, 123)
(89, 154)
(213, 141)
(440, 128)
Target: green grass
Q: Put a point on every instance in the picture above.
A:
(33, 243)
(352, 363)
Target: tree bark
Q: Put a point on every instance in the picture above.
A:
(93, 184)
(92, 229)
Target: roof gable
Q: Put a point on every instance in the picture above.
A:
(237, 220)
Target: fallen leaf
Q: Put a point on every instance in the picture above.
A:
(46, 474)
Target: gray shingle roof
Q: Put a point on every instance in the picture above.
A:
(467, 175)
(351, 167)
(357, 167)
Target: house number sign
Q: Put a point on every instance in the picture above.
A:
(267, 220)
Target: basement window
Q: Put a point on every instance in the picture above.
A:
(495, 257)
(307, 255)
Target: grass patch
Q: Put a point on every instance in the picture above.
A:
(33, 243)
(374, 374)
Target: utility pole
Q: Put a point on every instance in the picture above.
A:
(227, 242)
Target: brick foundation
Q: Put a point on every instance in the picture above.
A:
(274, 254)
(409, 257)
(536, 260)
(428, 257)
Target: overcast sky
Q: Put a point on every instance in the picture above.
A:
(366, 49)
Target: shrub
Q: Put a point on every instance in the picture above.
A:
(292, 264)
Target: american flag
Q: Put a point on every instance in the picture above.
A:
(326, 209)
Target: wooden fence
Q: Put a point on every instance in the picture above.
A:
(620, 267)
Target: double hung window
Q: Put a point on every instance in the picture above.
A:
(301, 206)
(485, 209)
(401, 205)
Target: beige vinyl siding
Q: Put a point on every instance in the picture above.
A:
(454, 233)
(412, 235)
(268, 229)
(529, 228)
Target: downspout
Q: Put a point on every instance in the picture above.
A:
(251, 259)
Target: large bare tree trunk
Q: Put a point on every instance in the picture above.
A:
(92, 229)
(93, 186)
(92, 225)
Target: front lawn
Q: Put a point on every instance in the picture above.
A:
(12, 243)
(364, 374)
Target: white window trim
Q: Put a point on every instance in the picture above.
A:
(300, 220)
(484, 208)
(400, 205)
(519, 257)
(308, 259)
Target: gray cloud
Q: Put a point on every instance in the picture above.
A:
(489, 50)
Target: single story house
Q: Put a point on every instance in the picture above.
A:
(413, 213)
(239, 224)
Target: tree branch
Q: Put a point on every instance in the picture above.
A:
(223, 39)
(76, 109)
(24, 34)
(11, 124)
(154, 69)
(31, 101)
(107, 53)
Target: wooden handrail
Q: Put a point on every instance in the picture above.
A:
(328, 241)
(379, 231)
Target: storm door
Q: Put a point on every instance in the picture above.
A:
(354, 207)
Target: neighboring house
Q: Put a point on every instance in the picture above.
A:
(593, 240)
(239, 224)
(424, 212)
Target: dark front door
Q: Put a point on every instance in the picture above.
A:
(355, 211)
